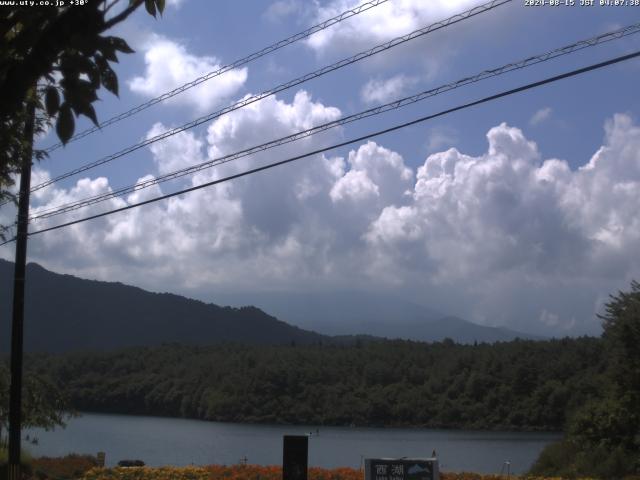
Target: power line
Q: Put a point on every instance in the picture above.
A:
(396, 104)
(254, 98)
(237, 63)
(351, 141)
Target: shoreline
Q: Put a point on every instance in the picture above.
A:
(166, 441)
(313, 427)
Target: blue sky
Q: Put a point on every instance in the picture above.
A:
(529, 222)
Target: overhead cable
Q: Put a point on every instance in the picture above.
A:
(237, 63)
(254, 98)
(396, 104)
(490, 98)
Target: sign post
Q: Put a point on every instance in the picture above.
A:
(295, 456)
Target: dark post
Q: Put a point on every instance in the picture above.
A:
(294, 457)
(15, 394)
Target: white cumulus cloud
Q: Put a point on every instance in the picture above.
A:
(282, 9)
(374, 171)
(384, 22)
(505, 237)
(509, 220)
(169, 65)
(383, 91)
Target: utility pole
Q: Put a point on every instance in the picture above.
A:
(17, 325)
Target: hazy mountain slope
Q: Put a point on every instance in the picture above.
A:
(464, 331)
(435, 330)
(336, 312)
(381, 315)
(65, 313)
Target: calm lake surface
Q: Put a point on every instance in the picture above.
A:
(170, 441)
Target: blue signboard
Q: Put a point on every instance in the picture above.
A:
(401, 469)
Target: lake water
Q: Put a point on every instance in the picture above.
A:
(170, 441)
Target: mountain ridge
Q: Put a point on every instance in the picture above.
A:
(67, 313)
(378, 314)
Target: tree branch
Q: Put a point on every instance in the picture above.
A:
(121, 16)
(110, 6)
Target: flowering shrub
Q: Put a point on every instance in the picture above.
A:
(147, 473)
(256, 472)
(215, 472)
(69, 467)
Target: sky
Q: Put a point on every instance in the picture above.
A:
(522, 212)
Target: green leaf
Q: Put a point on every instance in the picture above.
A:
(94, 76)
(109, 52)
(101, 62)
(85, 44)
(52, 100)
(120, 44)
(65, 125)
(73, 64)
(109, 80)
(150, 6)
(90, 112)
(160, 5)
(79, 94)
(85, 91)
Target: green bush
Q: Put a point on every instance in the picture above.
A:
(555, 460)
(25, 456)
(25, 460)
(566, 459)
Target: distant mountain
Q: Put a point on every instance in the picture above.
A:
(463, 331)
(347, 313)
(66, 313)
(338, 312)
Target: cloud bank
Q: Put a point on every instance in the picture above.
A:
(505, 237)
(379, 24)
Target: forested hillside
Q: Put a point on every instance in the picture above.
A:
(65, 313)
(529, 385)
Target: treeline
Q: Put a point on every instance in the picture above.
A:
(602, 438)
(521, 385)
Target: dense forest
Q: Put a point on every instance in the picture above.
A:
(522, 385)
(587, 387)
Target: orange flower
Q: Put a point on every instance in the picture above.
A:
(257, 472)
